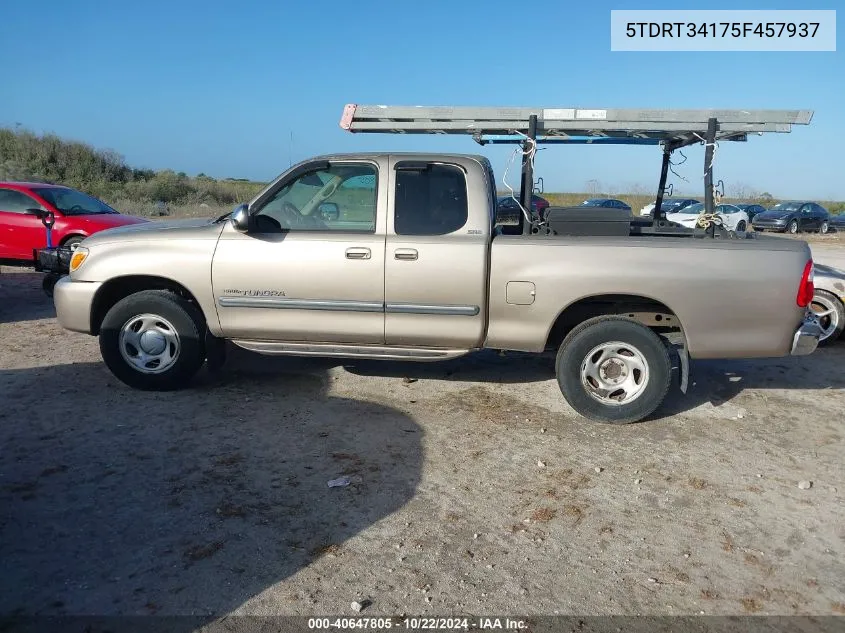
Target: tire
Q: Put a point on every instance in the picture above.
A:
(831, 312)
(741, 226)
(616, 334)
(73, 241)
(793, 227)
(174, 347)
(824, 229)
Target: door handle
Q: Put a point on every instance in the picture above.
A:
(357, 253)
(405, 254)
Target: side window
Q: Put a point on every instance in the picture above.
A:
(16, 202)
(340, 198)
(430, 200)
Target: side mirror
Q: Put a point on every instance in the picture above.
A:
(240, 218)
(48, 218)
(329, 211)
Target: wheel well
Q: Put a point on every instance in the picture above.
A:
(120, 287)
(67, 238)
(649, 312)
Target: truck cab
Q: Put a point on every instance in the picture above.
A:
(367, 249)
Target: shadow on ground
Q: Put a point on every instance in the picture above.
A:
(21, 297)
(114, 501)
(711, 381)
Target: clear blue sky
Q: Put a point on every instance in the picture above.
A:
(218, 87)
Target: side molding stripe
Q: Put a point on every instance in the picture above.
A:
(300, 304)
(281, 303)
(437, 309)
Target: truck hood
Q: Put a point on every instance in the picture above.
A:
(190, 228)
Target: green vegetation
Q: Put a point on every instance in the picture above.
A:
(104, 174)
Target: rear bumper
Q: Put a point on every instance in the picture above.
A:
(806, 337)
(73, 300)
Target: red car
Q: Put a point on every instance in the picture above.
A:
(78, 215)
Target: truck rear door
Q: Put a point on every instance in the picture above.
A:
(436, 258)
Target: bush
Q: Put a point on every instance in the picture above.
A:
(104, 174)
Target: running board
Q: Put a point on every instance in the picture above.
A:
(339, 350)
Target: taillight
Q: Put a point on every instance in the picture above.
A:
(806, 290)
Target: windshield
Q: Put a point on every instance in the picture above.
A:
(73, 202)
(594, 202)
(786, 206)
(693, 209)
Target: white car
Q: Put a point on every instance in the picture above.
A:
(733, 218)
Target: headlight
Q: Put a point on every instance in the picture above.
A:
(78, 258)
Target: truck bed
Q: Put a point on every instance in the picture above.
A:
(705, 282)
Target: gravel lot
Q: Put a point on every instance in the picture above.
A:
(475, 488)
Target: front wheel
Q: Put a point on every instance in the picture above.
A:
(73, 242)
(153, 340)
(613, 369)
(831, 315)
(793, 226)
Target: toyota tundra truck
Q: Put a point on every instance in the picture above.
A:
(401, 257)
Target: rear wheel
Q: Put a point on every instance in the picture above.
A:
(831, 314)
(153, 340)
(613, 369)
(741, 226)
(824, 228)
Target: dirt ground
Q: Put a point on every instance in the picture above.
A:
(475, 489)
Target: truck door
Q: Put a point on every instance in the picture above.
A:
(312, 269)
(436, 260)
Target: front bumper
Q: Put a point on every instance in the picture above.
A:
(73, 301)
(768, 225)
(806, 337)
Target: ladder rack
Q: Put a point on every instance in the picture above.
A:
(671, 128)
(574, 125)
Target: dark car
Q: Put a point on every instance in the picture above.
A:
(751, 209)
(610, 203)
(837, 222)
(538, 205)
(794, 216)
(671, 205)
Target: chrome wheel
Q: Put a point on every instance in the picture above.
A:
(793, 226)
(149, 343)
(825, 227)
(827, 313)
(614, 373)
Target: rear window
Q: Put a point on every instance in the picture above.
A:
(430, 200)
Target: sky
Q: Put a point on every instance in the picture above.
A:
(242, 89)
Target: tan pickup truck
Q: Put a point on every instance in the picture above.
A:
(399, 257)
